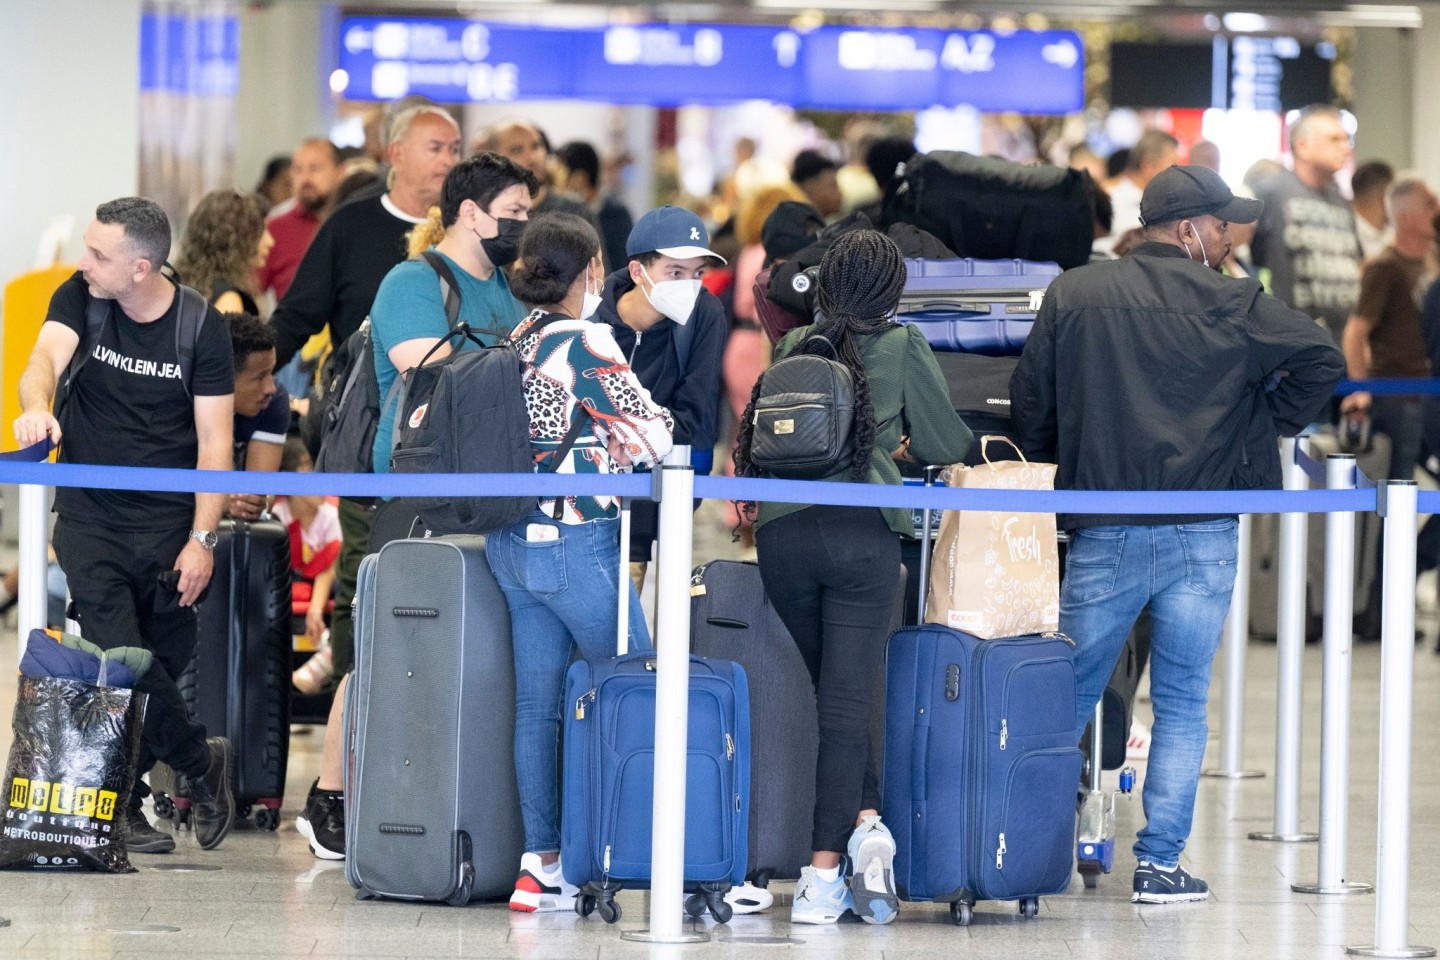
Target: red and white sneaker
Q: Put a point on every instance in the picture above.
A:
(541, 889)
(1138, 746)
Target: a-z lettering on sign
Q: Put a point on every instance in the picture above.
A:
(143, 368)
(62, 798)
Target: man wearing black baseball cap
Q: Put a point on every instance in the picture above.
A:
(1158, 372)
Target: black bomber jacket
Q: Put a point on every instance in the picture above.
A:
(1154, 372)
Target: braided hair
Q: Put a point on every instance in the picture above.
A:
(861, 278)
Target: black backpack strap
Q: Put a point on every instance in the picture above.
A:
(97, 314)
(190, 315)
(582, 417)
(449, 287)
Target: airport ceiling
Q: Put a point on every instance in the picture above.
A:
(1181, 15)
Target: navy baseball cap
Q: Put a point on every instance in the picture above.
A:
(1178, 192)
(673, 232)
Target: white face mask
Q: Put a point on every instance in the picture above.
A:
(591, 301)
(673, 298)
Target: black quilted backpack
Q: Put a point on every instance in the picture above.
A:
(804, 417)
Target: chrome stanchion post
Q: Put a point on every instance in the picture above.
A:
(1397, 504)
(1237, 640)
(672, 705)
(34, 519)
(1290, 652)
(1335, 699)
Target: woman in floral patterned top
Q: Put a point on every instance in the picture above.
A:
(560, 567)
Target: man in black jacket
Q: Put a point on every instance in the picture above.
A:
(1156, 372)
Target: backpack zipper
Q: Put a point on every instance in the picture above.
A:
(793, 406)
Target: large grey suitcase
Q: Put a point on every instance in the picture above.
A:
(1264, 547)
(431, 807)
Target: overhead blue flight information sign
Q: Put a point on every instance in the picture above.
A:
(840, 68)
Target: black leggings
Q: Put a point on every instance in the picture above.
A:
(833, 575)
(112, 577)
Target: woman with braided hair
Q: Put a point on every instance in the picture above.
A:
(833, 572)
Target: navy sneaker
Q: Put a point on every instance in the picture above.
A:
(1160, 885)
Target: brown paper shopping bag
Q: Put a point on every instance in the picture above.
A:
(997, 574)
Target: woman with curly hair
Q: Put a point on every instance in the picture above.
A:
(225, 243)
(833, 572)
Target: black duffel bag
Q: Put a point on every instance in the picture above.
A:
(992, 209)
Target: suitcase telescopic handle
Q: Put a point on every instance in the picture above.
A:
(622, 619)
(932, 472)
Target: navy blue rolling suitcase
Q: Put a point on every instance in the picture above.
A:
(981, 766)
(975, 306)
(609, 781)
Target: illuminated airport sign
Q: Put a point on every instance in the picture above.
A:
(842, 68)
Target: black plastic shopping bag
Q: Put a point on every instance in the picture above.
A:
(71, 769)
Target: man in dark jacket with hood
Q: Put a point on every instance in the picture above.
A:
(1157, 372)
(673, 331)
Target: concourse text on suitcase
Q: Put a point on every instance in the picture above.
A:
(432, 811)
(238, 682)
(607, 803)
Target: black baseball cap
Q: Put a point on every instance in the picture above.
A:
(789, 229)
(1178, 192)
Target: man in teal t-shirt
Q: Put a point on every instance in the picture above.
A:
(409, 307)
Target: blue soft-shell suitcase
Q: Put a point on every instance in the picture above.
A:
(981, 766)
(609, 781)
(975, 306)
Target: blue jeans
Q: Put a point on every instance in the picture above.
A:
(1185, 573)
(562, 594)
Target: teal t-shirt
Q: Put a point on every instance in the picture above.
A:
(409, 306)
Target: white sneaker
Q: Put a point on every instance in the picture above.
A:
(872, 854)
(748, 898)
(820, 901)
(541, 889)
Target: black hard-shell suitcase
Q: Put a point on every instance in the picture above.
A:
(432, 811)
(238, 683)
(731, 618)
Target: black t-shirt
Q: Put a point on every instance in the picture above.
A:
(128, 407)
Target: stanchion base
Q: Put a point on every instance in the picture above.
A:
(1233, 774)
(645, 936)
(1396, 952)
(1286, 837)
(1333, 890)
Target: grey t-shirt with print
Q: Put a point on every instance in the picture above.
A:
(1306, 238)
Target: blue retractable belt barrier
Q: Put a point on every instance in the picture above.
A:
(719, 488)
(1391, 387)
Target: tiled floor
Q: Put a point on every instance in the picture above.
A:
(269, 898)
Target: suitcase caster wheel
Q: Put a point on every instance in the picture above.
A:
(609, 911)
(584, 905)
(962, 914)
(1091, 879)
(695, 906)
(267, 819)
(164, 806)
(1029, 908)
(461, 896)
(762, 878)
(242, 812)
(721, 911)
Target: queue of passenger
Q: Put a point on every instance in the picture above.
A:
(1241, 368)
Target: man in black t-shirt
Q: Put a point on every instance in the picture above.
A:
(138, 561)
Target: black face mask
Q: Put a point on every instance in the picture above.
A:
(503, 249)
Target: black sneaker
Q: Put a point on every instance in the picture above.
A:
(212, 806)
(323, 823)
(141, 837)
(1157, 885)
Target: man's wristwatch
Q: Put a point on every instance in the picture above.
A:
(206, 538)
